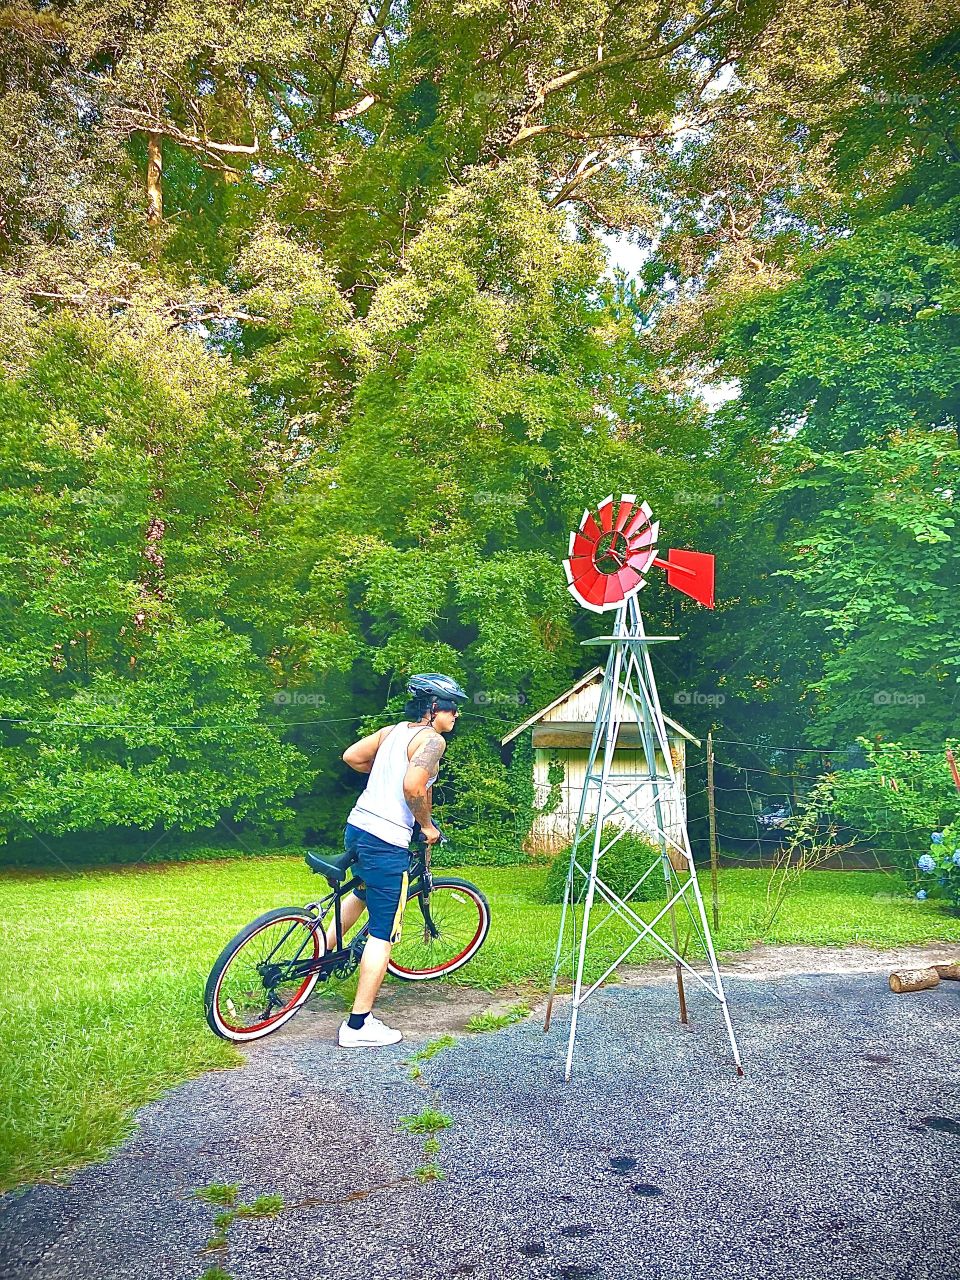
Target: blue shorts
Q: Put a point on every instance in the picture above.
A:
(385, 872)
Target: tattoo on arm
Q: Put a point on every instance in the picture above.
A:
(429, 753)
(421, 808)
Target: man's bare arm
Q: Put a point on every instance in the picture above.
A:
(420, 771)
(361, 754)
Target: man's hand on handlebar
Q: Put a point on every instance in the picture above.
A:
(433, 835)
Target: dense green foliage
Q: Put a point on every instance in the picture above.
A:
(623, 868)
(895, 802)
(312, 356)
(120, 1020)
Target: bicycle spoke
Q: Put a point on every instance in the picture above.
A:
(254, 986)
(434, 940)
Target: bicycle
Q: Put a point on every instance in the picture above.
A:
(269, 970)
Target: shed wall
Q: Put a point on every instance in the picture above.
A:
(551, 831)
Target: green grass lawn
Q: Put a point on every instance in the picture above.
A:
(103, 975)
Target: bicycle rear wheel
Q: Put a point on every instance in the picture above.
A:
(264, 975)
(440, 934)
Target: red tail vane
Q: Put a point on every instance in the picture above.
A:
(690, 572)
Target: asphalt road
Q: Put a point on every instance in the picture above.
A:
(836, 1158)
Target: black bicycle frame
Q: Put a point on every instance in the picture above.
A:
(295, 968)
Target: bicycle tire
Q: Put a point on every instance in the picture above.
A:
(462, 915)
(223, 1021)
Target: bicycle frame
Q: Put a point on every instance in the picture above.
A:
(343, 957)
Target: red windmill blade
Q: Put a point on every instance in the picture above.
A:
(612, 550)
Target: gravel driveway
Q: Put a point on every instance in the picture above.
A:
(836, 1158)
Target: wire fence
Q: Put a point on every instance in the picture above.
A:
(752, 800)
(753, 807)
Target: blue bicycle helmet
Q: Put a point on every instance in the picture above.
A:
(433, 685)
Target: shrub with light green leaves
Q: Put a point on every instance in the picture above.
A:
(620, 868)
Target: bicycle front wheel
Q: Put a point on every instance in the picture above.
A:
(441, 933)
(264, 975)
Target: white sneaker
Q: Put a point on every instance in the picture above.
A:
(373, 1032)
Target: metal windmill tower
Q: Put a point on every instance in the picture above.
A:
(608, 557)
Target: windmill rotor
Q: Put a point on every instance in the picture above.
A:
(612, 550)
(610, 553)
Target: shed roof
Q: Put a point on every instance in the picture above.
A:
(568, 693)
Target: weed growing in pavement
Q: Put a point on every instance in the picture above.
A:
(219, 1193)
(426, 1053)
(262, 1207)
(432, 1049)
(225, 1194)
(496, 1021)
(428, 1121)
(216, 1273)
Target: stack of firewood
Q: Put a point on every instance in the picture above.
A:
(921, 979)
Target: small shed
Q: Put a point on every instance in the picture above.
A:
(561, 734)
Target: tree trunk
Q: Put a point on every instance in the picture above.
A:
(154, 180)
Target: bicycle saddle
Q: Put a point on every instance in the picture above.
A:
(333, 869)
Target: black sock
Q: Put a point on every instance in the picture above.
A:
(356, 1020)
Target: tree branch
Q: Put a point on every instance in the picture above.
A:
(155, 125)
(603, 64)
(190, 311)
(358, 108)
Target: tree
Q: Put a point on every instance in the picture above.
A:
(133, 686)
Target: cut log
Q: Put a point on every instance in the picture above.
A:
(913, 979)
(949, 970)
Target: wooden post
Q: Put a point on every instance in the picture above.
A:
(712, 815)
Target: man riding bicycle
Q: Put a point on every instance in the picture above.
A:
(403, 761)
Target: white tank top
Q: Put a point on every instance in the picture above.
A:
(382, 808)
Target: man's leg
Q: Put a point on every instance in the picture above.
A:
(373, 970)
(351, 909)
(385, 875)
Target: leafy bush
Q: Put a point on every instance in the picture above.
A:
(620, 868)
(893, 804)
(941, 866)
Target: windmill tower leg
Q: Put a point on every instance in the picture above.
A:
(644, 708)
(569, 892)
(654, 721)
(609, 730)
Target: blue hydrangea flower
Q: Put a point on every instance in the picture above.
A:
(926, 863)
(921, 894)
(956, 857)
(937, 837)
(941, 879)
